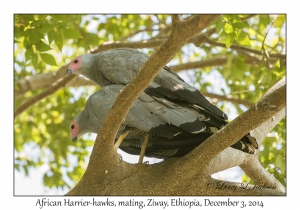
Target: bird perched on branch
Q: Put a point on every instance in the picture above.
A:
(153, 127)
(120, 66)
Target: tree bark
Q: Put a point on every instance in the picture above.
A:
(189, 175)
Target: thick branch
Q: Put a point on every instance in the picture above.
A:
(34, 82)
(220, 187)
(249, 163)
(175, 18)
(231, 157)
(259, 175)
(264, 110)
(52, 89)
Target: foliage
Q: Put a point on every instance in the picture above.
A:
(45, 42)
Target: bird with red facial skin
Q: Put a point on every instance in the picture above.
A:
(120, 66)
(172, 129)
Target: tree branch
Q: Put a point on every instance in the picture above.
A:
(175, 19)
(149, 28)
(269, 105)
(245, 49)
(52, 89)
(152, 43)
(259, 175)
(37, 81)
(141, 44)
(231, 157)
(228, 98)
(220, 187)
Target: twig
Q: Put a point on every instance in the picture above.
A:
(140, 44)
(228, 98)
(241, 48)
(149, 28)
(264, 51)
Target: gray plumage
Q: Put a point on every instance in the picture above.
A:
(120, 66)
(173, 129)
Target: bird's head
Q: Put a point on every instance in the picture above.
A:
(82, 64)
(74, 130)
(75, 65)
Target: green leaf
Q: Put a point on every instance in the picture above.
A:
(58, 40)
(243, 39)
(34, 36)
(35, 60)
(60, 17)
(28, 54)
(228, 28)
(240, 25)
(235, 18)
(37, 23)
(220, 25)
(42, 47)
(279, 21)
(51, 36)
(26, 43)
(16, 86)
(71, 34)
(264, 21)
(16, 40)
(229, 40)
(93, 39)
(25, 169)
(277, 64)
(263, 79)
(17, 166)
(49, 59)
(279, 161)
(46, 28)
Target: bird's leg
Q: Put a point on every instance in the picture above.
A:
(120, 140)
(143, 149)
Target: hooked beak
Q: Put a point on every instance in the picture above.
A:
(74, 139)
(69, 71)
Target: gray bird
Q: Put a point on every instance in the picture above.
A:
(153, 127)
(120, 66)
